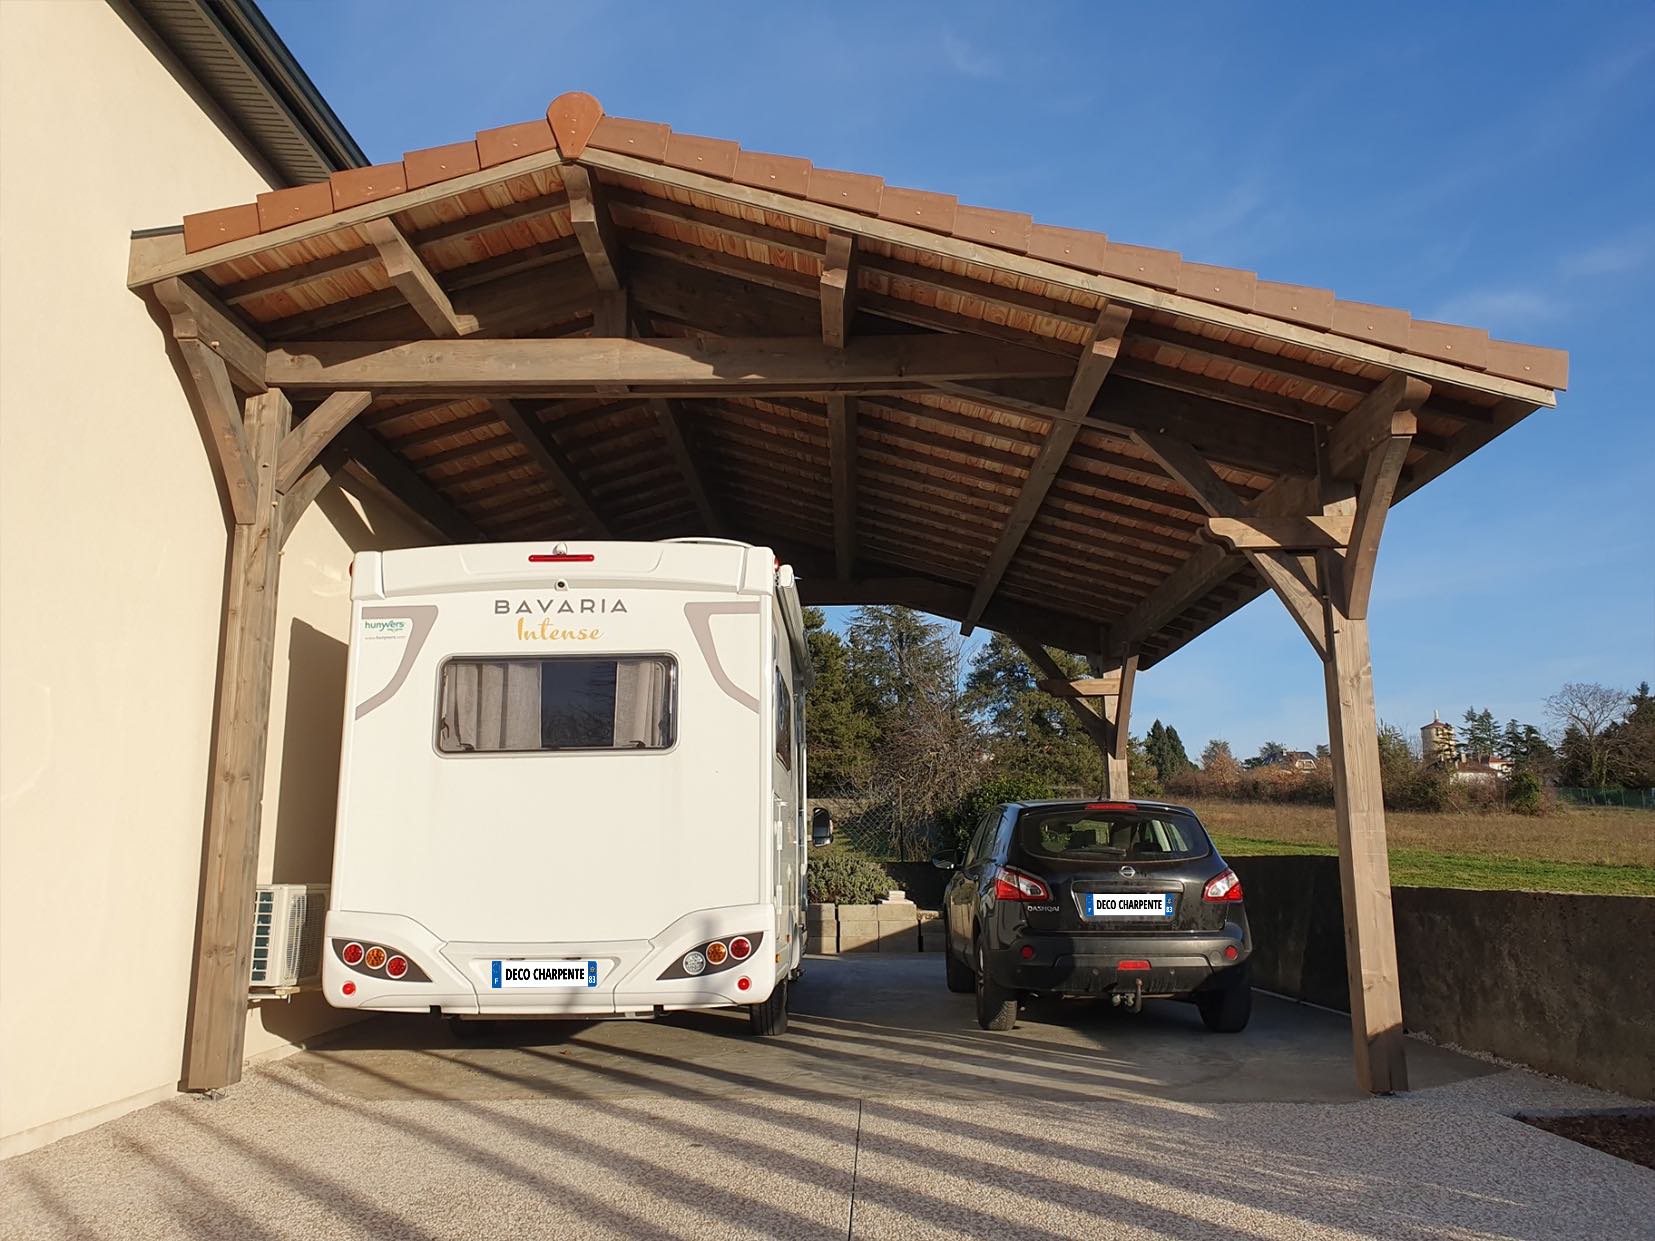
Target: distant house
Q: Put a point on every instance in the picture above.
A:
(1478, 772)
(1300, 760)
(1437, 743)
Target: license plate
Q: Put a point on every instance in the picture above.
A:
(1131, 904)
(539, 975)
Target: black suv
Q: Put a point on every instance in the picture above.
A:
(1125, 899)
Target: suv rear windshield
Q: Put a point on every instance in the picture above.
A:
(1087, 833)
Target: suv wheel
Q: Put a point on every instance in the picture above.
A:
(770, 1017)
(996, 1006)
(960, 979)
(1227, 1009)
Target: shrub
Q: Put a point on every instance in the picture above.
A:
(845, 879)
(957, 824)
(1525, 794)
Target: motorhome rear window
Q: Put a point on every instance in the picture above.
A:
(557, 703)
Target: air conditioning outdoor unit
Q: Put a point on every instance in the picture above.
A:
(287, 933)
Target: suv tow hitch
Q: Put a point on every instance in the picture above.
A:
(1132, 1001)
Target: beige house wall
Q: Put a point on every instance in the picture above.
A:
(112, 567)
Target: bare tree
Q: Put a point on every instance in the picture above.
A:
(1587, 710)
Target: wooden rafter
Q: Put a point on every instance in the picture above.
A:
(842, 438)
(669, 417)
(396, 476)
(838, 289)
(413, 279)
(701, 366)
(1100, 354)
(537, 442)
(222, 410)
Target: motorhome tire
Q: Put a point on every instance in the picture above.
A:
(770, 1017)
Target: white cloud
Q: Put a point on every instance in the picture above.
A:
(966, 60)
(1614, 256)
(1499, 309)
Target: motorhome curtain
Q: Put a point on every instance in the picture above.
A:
(492, 705)
(640, 703)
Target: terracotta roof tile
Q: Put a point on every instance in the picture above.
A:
(713, 157)
(920, 208)
(356, 186)
(279, 208)
(1294, 303)
(575, 120)
(781, 174)
(214, 228)
(1008, 230)
(435, 164)
(854, 191)
(1072, 247)
(639, 139)
(1466, 345)
(1227, 286)
(509, 142)
(1379, 324)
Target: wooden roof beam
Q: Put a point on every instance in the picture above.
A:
(578, 365)
(552, 462)
(1060, 629)
(838, 289)
(413, 279)
(668, 416)
(1101, 351)
(589, 217)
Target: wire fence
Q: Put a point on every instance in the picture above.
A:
(877, 828)
(1632, 799)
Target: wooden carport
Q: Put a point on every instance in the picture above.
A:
(591, 327)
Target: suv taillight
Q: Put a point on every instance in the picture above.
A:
(1225, 887)
(1011, 884)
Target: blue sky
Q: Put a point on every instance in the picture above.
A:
(1474, 163)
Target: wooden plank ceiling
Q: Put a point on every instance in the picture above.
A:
(1023, 503)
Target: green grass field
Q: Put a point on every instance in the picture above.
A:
(1609, 851)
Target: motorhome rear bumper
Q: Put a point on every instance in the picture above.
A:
(460, 975)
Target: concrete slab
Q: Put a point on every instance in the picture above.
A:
(883, 1112)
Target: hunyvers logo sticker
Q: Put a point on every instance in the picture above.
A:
(386, 627)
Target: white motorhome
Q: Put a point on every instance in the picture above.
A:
(572, 782)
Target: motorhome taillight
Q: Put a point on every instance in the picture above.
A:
(716, 952)
(561, 558)
(351, 954)
(742, 984)
(694, 962)
(349, 988)
(741, 947)
(374, 958)
(396, 967)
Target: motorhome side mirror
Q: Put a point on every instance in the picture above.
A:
(946, 859)
(821, 827)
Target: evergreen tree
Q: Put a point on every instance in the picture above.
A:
(1269, 754)
(1035, 738)
(1481, 733)
(1177, 756)
(839, 734)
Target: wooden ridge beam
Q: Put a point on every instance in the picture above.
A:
(305, 442)
(1102, 349)
(668, 417)
(589, 217)
(838, 289)
(552, 462)
(413, 279)
(197, 315)
(384, 467)
(842, 419)
(712, 364)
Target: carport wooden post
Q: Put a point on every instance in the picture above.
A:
(217, 1022)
